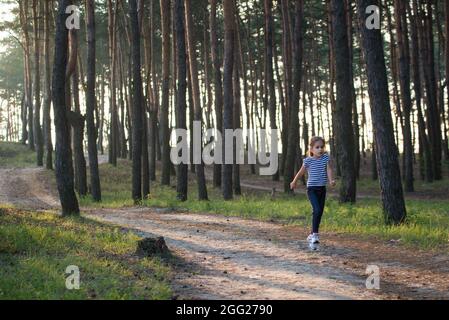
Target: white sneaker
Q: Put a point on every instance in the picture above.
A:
(313, 238)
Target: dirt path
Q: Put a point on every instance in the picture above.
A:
(26, 188)
(233, 258)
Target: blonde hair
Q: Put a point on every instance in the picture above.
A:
(312, 142)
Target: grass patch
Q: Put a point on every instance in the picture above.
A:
(439, 188)
(36, 248)
(16, 155)
(427, 224)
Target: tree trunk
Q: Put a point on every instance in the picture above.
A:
(77, 121)
(47, 89)
(63, 163)
(23, 7)
(90, 102)
(229, 27)
(113, 128)
(269, 76)
(201, 179)
(146, 32)
(23, 117)
(287, 61)
(38, 138)
(284, 133)
(403, 57)
(355, 115)
(145, 158)
(446, 52)
(181, 108)
(293, 130)
(433, 115)
(101, 124)
(374, 173)
(165, 132)
(122, 147)
(218, 90)
(386, 150)
(191, 114)
(344, 128)
(137, 105)
(236, 115)
(425, 152)
(154, 150)
(333, 137)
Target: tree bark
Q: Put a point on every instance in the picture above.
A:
(287, 61)
(201, 179)
(293, 129)
(113, 128)
(269, 74)
(433, 115)
(218, 88)
(181, 108)
(154, 105)
(403, 56)
(90, 102)
(63, 154)
(137, 105)
(23, 7)
(229, 27)
(47, 89)
(145, 29)
(344, 128)
(425, 152)
(101, 124)
(446, 55)
(236, 114)
(165, 132)
(386, 150)
(355, 115)
(38, 138)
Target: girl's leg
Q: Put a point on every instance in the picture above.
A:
(314, 199)
(321, 201)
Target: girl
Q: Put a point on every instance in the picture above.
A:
(319, 172)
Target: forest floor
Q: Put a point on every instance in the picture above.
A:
(230, 257)
(37, 247)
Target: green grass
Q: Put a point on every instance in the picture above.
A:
(426, 226)
(16, 155)
(36, 248)
(437, 188)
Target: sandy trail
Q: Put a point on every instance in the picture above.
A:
(24, 188)
(233, 258)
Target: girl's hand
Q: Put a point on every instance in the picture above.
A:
(293, 185)
(333, 183)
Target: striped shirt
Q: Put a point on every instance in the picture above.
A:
(317, 170)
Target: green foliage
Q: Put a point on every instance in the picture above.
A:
(11, 67)
(36, 248)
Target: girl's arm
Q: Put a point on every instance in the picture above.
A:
(330, 175)
(300, 173)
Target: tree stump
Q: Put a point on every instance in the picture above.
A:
(148, 247)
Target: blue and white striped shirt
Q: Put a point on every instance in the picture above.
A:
(317, 170)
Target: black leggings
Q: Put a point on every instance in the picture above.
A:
(317, 197)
